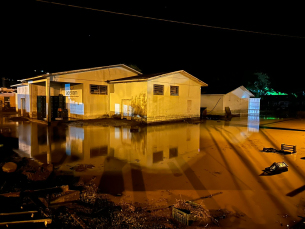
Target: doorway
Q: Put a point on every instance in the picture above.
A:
(126, 109)
(22, 106)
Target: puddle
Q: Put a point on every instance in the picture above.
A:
(180, 161)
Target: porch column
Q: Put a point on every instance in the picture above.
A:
(30, 100)
(49, 161)
(48, 106)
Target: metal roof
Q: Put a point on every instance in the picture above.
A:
(149, 77)
(225, 89)
(19, 84)
(79, 70)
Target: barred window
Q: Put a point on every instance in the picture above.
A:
(157, 156)
(174, 90)
(173, 152)
(158, 89)
(98, 89)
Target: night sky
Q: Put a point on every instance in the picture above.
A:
(50, 37)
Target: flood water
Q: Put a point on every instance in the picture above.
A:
(159, 164)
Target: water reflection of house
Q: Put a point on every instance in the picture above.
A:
(155, 146)
(44, 143)
(240, 101)
(152, 146)
(253, 123)
(111, 90)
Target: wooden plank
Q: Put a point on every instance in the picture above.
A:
(18, 213)
(45, 221)
(62, 188)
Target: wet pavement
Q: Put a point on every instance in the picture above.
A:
(160, 164)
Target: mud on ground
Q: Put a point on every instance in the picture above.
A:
(92, 209)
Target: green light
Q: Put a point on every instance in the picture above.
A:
(270, 118)
(270, 91)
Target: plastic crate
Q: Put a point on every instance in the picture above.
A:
(181, 215)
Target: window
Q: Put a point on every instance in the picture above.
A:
(157, 156)
(173, 152)
(98, 89)
(99, 151)
(158, 89)
(175, 90)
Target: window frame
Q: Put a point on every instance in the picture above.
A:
(176, 90)
(157, 88)
(100, 89)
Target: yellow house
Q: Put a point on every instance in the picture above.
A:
(157, 97)
(85, 92)
(7, 98)
(108, 91)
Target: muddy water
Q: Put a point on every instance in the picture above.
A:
(159, 164)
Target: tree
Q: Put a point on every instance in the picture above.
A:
(260, 85)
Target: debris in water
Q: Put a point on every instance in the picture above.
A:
(276, 167)
(9, 167)
(82, 167)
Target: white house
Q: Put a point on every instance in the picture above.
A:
(240, 101)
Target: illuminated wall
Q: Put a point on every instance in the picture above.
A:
(237, 100)
(92, 105)
(129, 99)
(168, 107)
(134, 99)
(237, 105)
(87, 105)
(39, 89)
(137, 99)
(23, 93)
(12, 99)
(213, 103)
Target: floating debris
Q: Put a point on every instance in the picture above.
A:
(9, 167)
(276, 167)
(82, 167)
(285, 149)
(270, 150)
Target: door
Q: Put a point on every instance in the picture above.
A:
(126, 109)
(22, 106)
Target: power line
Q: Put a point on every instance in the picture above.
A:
(172, 21)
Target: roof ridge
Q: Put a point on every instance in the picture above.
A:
(81, 70)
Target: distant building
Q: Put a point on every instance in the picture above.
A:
(240, 101)
(7, 98)
(115, 90)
